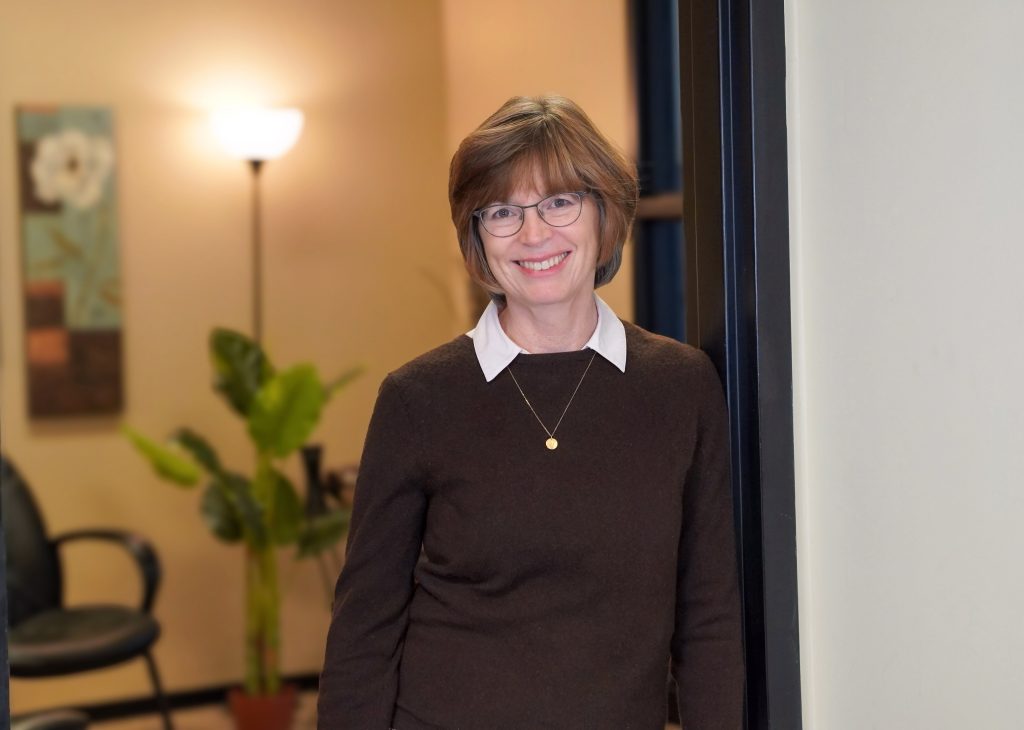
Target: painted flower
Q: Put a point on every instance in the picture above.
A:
(72, 167)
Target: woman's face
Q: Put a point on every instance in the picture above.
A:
(544, 264)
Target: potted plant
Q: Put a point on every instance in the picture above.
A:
(260, 510)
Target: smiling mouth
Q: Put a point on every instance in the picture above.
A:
(545, 264)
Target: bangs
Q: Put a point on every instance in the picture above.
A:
(545, 163)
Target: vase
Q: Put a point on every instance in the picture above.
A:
(263, 712)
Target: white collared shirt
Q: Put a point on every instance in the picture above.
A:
(495, 350)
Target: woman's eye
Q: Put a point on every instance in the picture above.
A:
(500, 213)
(561, 201)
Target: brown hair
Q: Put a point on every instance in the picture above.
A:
(550, 136)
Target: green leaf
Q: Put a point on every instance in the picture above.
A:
(220, 515)
(241, 493)
(286, 410)
(200, 449)
(241, 368)
(168, 462)
(232, 512)
(285, 514)
(322, 531)
(344, 379)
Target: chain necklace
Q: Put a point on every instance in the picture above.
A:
(552, 442)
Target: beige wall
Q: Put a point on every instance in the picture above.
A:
(906, 155)
(350, 275)
(576, 48)
(354, 217)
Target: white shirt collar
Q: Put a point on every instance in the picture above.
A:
(495, 350)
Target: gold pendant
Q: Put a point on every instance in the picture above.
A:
(551, 443)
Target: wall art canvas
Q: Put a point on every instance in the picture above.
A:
(69, 237)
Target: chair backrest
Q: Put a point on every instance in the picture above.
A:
(33, 567)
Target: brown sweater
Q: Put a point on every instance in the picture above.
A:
(492, 584)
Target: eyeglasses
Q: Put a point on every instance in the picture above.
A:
(560, 209)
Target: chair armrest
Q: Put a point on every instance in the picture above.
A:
(140, 548)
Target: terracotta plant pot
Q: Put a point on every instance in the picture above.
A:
(263, 712)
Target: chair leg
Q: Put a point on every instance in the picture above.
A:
(161, 698)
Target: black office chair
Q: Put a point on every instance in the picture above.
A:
(48, 639)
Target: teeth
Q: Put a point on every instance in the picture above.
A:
(545, 264)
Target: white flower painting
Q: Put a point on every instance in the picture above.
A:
(71, 167)
(72, 276)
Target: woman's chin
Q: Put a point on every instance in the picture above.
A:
(545, 296)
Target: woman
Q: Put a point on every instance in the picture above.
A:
(542, 522)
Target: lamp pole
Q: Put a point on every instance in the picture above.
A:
(257, 254)
(257, 135)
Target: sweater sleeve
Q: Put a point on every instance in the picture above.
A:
(707, 655)
(359, 681)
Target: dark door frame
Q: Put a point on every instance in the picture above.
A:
(735, 190)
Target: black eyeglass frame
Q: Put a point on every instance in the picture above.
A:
(523, 208)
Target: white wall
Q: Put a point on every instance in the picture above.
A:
(908, 258)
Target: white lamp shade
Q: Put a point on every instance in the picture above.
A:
(257, 134)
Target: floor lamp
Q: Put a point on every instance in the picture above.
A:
(256, 136)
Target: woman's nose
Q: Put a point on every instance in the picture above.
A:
(534, 229)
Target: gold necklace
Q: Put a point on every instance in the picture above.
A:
(552, 442)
